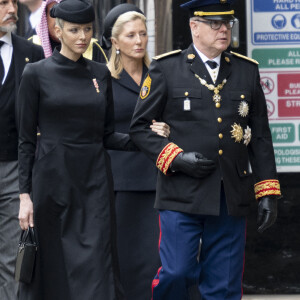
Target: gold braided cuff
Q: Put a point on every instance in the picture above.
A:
(166, 157)
(266, 188)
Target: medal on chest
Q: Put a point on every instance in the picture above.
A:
(96, 85)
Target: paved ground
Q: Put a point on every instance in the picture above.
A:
(277, 297)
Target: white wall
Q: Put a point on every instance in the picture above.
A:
(150, 13)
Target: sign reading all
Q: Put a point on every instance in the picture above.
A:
(276, 5)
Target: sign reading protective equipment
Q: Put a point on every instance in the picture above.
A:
(275, 22)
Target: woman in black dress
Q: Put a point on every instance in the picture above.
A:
(134, 185)
(69, 180)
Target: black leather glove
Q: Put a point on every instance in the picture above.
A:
(267, 212)
(193, 164)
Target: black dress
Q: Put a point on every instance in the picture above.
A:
(72, 192)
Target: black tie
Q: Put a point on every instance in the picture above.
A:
(2, 71)
(212, 64)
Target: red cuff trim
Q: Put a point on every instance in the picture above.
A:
(166, 157)
(266, 188)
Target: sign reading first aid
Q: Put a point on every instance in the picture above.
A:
(281, 22)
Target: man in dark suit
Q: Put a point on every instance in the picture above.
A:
(34, 7)
(15, 52)
(217, 112)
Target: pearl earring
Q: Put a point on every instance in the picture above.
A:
(117, 51)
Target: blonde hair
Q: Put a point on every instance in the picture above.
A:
(115, 63)
(59, 22)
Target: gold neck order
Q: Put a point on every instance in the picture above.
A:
(216, 89)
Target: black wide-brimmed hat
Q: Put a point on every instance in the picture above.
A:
(74, 11)
(111, 19)
(210, 9)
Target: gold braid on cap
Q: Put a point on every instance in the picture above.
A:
(205, 13)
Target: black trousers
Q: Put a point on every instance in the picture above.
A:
(137, 242)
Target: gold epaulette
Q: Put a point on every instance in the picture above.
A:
(101, 49)
(89, 51)
(245, 57)
(35, 39)
(167, 54)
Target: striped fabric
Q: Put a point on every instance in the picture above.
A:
(42, 28)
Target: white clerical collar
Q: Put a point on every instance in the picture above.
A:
(204, 58)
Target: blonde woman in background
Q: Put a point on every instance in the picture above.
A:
(134, 185)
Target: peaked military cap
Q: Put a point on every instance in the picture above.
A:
(111, 19)
(210, 9)
(74, 11)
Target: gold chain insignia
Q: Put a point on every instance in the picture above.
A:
(243, 109)
(237, 132)
(216, 89)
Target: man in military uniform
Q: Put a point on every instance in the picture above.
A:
(217, 112)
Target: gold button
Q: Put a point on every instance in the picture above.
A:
(218, 105)
(220, 152)
(220, 120)
(220, 135)
(243, 96)
(186, 93)
(27, 59)
(245, 172)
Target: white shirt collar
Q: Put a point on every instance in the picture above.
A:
(6, 53)
(205, 58)
(7, 39)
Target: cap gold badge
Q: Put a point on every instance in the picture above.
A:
(223, 1)
(145, 90)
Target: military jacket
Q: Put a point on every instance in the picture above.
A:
(232, 131)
